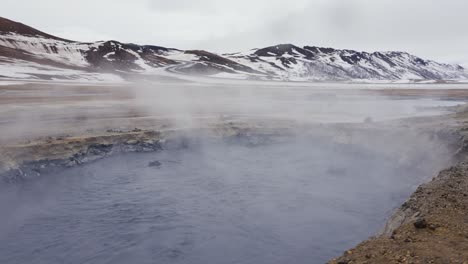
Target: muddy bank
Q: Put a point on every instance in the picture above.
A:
(23, 161)
(82, 147)
(29, 159)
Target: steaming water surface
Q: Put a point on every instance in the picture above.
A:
(289, 200)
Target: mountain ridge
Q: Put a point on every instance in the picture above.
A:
(10, 26)
(34, 50)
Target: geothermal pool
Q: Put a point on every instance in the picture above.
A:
(290, 199)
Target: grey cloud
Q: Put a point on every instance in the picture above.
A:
(183, 5)
(435, 29)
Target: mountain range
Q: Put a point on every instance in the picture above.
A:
(28, 53)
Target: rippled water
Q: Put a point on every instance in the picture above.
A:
(289, 201)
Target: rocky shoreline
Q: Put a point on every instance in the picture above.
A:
(431, 227)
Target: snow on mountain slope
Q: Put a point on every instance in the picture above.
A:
(36, 54)
(313, 63)
(20, 69)
(49, 48)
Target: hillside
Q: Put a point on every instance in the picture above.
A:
(28, 53)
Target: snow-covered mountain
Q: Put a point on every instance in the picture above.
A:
(31, 54)
(314, 63)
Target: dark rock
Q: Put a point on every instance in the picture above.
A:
(100, 149)
(155, 163)
(421, 224)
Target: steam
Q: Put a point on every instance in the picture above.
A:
(190, 103)
(309, 171)
(253, 198)
(41, 110)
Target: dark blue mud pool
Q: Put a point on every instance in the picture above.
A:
(294, 201)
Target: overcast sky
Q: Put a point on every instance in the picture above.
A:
(434, 29)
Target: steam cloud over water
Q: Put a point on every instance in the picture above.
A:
(32, 110)
(231, 132)
(256, 199)
(302, 196)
